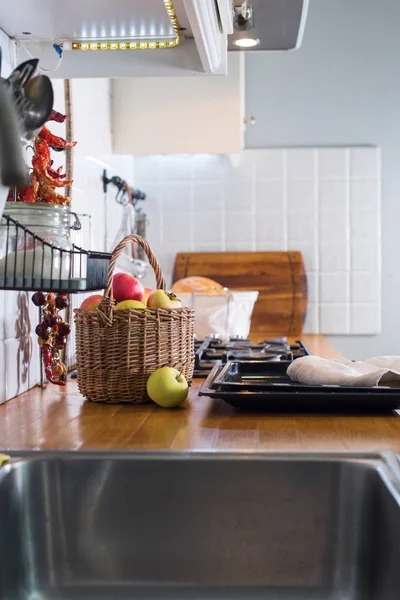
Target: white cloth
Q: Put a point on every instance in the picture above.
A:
(314, 370)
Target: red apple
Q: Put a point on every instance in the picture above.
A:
(126, 287)
(91, 303)
(162, 299)
(147, 292)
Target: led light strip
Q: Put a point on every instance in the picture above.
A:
(138, 44)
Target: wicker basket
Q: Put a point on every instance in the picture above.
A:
(116, 351)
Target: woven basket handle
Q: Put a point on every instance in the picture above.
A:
(131, 239)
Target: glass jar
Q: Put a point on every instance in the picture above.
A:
(23, 255)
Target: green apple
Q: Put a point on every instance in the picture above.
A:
(167, 387)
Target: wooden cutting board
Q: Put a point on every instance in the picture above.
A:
(279, 277)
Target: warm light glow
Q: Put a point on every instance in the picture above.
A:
(115, 44)
(246, 42)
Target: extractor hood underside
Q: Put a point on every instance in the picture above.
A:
(275, 24)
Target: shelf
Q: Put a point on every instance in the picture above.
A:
(41, 266)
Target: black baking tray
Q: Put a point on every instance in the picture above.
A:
(266, 387)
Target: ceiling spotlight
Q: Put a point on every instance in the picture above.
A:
(246, 42)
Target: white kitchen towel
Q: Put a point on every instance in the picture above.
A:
(314, 370)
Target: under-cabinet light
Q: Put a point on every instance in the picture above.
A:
(134, 45)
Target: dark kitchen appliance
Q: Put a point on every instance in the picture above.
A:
(265, 385)
(212, 351)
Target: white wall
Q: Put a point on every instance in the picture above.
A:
(19, 354)
(341, 88)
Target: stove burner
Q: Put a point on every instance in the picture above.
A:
(212, 350)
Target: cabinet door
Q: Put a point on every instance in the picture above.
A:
(172, 115)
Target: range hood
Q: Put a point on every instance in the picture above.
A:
(129, 38)
(268, 25)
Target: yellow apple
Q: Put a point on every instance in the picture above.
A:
(163, 299)
(129, 304)
(167, 387)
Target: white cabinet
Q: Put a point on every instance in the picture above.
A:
(179, 115)
(122, 38)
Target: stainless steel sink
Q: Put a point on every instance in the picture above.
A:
(194, 526)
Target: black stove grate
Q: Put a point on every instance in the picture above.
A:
(212, 351)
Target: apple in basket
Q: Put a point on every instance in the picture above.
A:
(129, 304)
(163, 299)
(126, 287)
(147, 292)
(91, 303)
(167, 387)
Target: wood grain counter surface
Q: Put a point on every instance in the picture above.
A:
(57, 418)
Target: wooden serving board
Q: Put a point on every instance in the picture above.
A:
(279, 277)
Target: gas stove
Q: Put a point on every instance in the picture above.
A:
(212, 351)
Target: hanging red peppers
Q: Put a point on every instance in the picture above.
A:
(44, 180)
(52, 334)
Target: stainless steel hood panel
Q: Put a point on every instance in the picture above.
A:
(121, 526)
(278, 24)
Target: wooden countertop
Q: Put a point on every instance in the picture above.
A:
(57, 418)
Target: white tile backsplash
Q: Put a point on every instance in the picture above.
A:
(311, 324)
(334, 226)
(313, 287)
(332, 195)
(365, 286)
(365, 318)
(270, 226)
(207, 196)
(334, 318)
(333, 163)
(334, 287)
(177, 227)
(301, 225)
(301, 163)
(238, 196)
(269, 195)
(364, 256)
(207, 228)
(177, 196)
(269, 164)
(300, 195)
(324, 202)
(365, 162)
(334, 256)
(239, 227)
(176, 168)
(364, 194)
(365, 225)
